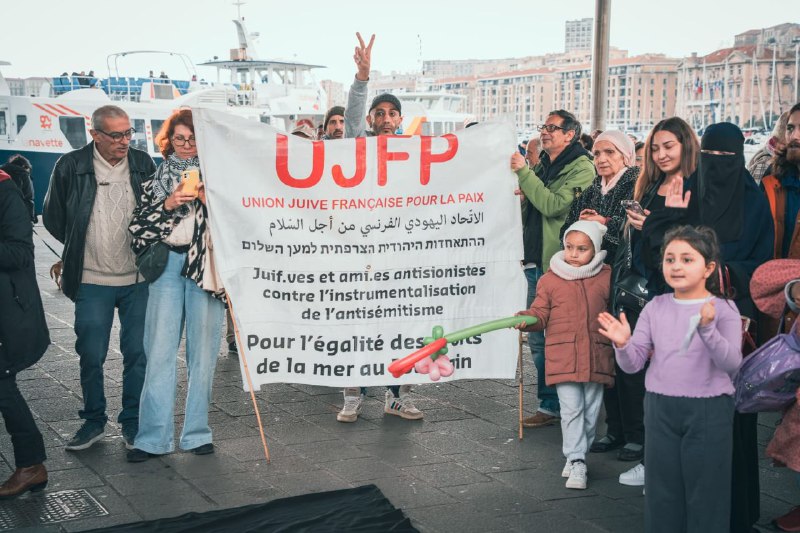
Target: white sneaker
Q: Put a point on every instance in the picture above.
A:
(577, 476)
(633, 477)
(352, 405)
(567, 469)
(403, 406)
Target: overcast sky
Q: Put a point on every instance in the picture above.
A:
(46, 37)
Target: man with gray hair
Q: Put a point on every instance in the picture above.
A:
(92, 194)
(549, 188)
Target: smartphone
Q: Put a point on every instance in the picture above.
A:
(633, 205)
(190, 178)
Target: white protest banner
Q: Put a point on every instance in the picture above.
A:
(340, 256)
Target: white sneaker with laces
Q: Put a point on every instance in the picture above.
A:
(577, 475)
(403, 406)
(633, 477)
(353, 400)
(567, 469)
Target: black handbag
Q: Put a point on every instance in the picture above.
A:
(152, 260)
(630, 289)
(631, 292)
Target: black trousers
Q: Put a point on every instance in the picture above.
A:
(25, 436)
(745, 490)
(625, 406)
(690, 442)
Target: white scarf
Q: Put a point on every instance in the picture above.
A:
(564, 270)
(605, 187)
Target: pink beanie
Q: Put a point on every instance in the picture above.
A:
(622, 142)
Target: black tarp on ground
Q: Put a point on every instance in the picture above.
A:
(363, 509)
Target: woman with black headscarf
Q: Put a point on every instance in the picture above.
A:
(723, 196)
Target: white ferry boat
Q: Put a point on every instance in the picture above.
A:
(432, 112)
(280, 93)
(42, 128)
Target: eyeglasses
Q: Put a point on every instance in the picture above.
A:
(550, 128)
(117, 136)
(180, 141)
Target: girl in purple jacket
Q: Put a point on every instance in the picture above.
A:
(693, 340)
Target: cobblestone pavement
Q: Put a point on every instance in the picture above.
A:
(460, 469)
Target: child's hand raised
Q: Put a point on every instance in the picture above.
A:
(617, 331)
(707, 313)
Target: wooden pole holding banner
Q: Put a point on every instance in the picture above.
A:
(249, 381)
(520, 385)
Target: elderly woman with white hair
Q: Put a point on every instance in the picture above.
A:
(614, 158)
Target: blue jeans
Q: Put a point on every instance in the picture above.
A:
(175, 301)
(548, 397)
(94, 316)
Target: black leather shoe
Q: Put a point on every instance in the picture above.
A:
(630, 454)
(205, 449)
(606, 444)
(138, 456)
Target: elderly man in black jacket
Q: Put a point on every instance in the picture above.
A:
(92, 194)
(23, 339)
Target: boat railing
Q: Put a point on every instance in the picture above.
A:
(117, 88)
(65, 84)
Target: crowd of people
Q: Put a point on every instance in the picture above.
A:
(638, 257)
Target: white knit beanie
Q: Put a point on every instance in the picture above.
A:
(594, 230)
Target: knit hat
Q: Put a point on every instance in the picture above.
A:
(768, 282)
(594, 230)
(388, 98)
(621, 142)
(332, 112)
(723, 137)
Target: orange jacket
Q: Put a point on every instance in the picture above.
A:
(777, 206)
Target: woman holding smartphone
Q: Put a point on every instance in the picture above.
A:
(614, 158)
(187, 295)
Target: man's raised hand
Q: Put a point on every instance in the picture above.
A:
(363, 57)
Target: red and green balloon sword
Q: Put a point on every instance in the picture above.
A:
(431, 358)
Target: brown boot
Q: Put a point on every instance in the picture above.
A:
(31, 478)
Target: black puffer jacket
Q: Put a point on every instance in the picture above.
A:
(70, 200)
(23, 330)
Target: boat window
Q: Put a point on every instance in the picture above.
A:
(74, 129)
(139, 139)
(3, 123)
(21, 120)
(156, 127)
